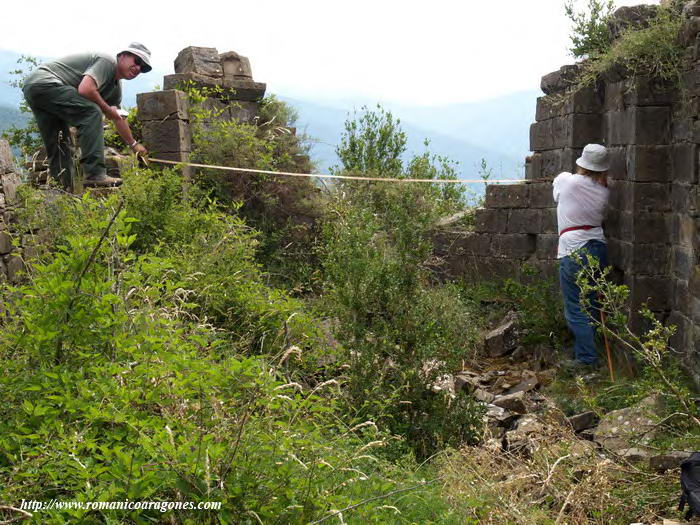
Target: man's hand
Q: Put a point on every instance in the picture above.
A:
(112, 113)
(139, 149)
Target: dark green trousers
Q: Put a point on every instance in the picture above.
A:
(57, 107)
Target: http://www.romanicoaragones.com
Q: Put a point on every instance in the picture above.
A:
(162, 506)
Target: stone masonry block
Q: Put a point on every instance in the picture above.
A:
(473, 244)
(546, 246)
(684, 162)
(524, 220)
(166, 136)
(6, 157)
(650, 259)
(620, 254)
(683, 262)
(638, 125)
(682, 129)
(615, 96)
(491, 268)
(652, 228)
(644, 197)
(226, 89)
(680, 198)
(513, 246)
(620, 192)
(490, 220)
(10, 182)
(647, 91)
(549, 221)
(507, 196)
(533, 166)
(5, 243)
(620, 225)
(236, 66)
(681, 338)
(559, 80)
(656, 291)
(200, 60)
(163, 105)
(541, 195)
(681, 295)
(652, 125)
(684, 230)
(618, 163)
(558, 160)
(649, 163)
(569, 131)
(584, 100)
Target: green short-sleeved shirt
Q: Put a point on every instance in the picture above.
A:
(70, 71)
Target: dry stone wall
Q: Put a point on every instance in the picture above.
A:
(11, 263)
(652, 130)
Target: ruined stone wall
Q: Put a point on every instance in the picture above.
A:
(11, 263)
(652, 130)
(232, 95)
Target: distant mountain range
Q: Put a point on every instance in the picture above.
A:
(495, 130)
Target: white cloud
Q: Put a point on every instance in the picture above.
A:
(403, 51)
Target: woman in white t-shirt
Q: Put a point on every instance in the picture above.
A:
(581, 199)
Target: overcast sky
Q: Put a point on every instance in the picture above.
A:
(419, 53)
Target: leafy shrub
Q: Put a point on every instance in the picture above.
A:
(590, 35)
(404, 333)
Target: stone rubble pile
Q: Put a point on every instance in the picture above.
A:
(518, 415)
(11, 263)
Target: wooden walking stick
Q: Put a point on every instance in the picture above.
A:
(607, 346)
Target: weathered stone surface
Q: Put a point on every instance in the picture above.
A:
(530, 383)
(518, 440)
(650, 259)
(166, 136)
(10, 183)
(547, 246)
(513, 402)
(524, 221)
(7, 160)
(639, 125)
(504, 338)
(631, 16)
(646, 197)
(682, 263)
(680, 198)
(560, 80)
(163, 105)
(569, 131)
(199, 60)
(649, 163)
(483, 395)
(558, 160)
(226, 89)
(618, 163)
(507, 196)
(491, 220)
(628, 427)
(5, 242)
(584, 100)
(669, 460)
(456, 244)
(652, 228)
(549, 221)
(656, 291)
(514, 245)
(583, 421)
(541, 195)
(235, 66)
(15, 269)
(243, 111)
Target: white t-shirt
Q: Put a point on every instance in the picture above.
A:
(580, 202)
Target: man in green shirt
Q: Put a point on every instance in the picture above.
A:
(76, 91)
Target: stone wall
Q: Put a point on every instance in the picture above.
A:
(165, 115)
(652, 131)
(11, 262)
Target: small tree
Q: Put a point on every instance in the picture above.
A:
(590, 35)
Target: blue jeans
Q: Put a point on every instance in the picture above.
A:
(579, 320)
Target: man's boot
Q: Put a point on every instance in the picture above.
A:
(101, 180)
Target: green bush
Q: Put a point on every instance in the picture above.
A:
(403, 333)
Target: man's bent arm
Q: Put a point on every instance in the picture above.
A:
(88, 89)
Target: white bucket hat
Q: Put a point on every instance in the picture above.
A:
(595, 158)
(142, 52)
